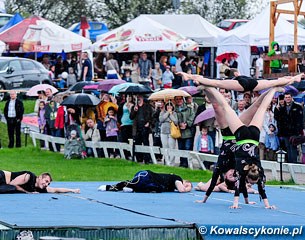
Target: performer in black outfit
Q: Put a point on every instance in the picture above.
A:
(147, 181)
(225, 162)
(28, 182)
(242, 83)
(13, 112)
(226, 158)
(248, 165)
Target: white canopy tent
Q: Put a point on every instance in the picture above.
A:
(143, 34)
(256, 33)
(192, 26)
(36, 34)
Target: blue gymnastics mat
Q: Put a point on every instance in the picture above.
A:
(118, 215)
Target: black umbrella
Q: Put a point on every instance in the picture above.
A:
(81, 99)
(141, 89)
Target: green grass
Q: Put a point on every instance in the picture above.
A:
(273, 182)
(91, 169)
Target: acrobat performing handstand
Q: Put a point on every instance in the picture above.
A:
(221, 179)
(247, 164)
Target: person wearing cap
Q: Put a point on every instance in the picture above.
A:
(167, 78)
(86, 71)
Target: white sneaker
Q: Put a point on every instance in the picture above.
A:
(127, 189)
(102, 188)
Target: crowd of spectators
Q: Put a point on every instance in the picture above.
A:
(129, 117)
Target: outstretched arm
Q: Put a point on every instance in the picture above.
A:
(62, 190)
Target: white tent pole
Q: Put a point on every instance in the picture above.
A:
(212, 57)
(155, 57)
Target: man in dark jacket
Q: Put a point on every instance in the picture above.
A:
(13, 112)
(141, 114)
(290, 123)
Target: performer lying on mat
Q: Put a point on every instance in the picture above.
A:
(147, 181)
(28, 182)
(225, 183)
(242, 83)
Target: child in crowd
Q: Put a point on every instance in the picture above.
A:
(204, 144)
(127, 76)
(41, 117)
(167, 78)
(189, 82)
(52, 72)
(156, 75)
(111, 126)
(61, 84)
(74, 147)
(272, 143)
(71, 79)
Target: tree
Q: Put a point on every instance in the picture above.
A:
(117, 12)
(216, 10)
(62, 12)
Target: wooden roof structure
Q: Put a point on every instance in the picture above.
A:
(275, 13)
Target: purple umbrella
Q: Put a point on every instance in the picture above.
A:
(106, 85)
(192, 90)
(91, 87)
(288, 89)
(205, 115)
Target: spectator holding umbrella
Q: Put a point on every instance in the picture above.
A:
(168, 115)
(223, 67)
(233, 63)
(41, 98)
